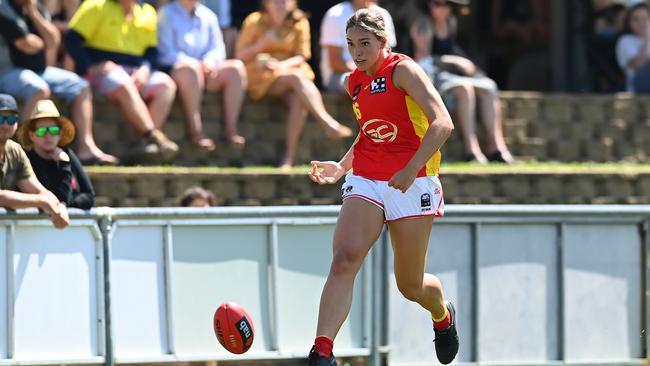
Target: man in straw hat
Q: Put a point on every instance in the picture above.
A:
(17, 174)
(46, 136)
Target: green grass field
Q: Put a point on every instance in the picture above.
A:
(528, 167)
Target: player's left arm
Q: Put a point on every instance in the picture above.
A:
(410, 77)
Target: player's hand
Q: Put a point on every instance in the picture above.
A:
(326, 172)
(403, 179)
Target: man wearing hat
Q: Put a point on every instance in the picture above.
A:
(46, 136)
(16, 172)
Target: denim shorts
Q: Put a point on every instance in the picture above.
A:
(23, 83)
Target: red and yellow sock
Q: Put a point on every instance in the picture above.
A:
(443, 322)
(323, 345)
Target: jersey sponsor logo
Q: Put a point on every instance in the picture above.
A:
(379, 130)
(378, 85)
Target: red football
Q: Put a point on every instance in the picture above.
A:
(233, 327)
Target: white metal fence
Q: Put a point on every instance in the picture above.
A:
(532, 284)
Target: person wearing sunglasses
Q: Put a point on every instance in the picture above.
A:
(46, 136)
(19, 187)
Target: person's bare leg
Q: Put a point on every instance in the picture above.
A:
(410, 239)
(190, 82)
(82, 116)
(160, 102)
(30, 103)
(491, 115)
(465, 113)
(133, 108)
(296, 117)
(231, 81)
(358, 226)
(313, 101)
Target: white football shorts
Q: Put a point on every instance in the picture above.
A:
(423, 198)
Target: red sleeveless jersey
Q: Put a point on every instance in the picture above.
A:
(392, 124)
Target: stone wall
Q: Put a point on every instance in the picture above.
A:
(156, 187)
(541, 127)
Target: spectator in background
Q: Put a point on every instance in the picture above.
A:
(605, 21)
(523, 26)
(45, 136)
(315, 11)
(114, 44)
(33, 43)
(17, 173)
(275, 45)
(196, 196)
(191, 47)
(223, 9)
(336, 62)
(633, 48)
(459, 81)
(61, 12)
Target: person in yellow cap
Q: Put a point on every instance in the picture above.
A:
(46, 136)
(16, 172)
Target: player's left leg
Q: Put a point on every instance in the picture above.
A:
(410, 239)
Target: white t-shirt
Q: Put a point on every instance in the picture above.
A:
(332, 33)
(627, 48)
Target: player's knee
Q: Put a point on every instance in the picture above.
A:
(345, 264)
(410, 291)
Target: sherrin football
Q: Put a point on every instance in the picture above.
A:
(233, 327)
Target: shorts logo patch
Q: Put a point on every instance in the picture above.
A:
(378, 85)
(425, 202)
(347, 189)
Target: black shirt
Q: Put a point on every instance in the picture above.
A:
(67, 180)
(14, 25)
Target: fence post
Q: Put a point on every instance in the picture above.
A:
(105, 227)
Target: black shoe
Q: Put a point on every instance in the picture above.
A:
(500, 157)
(447, 340)
(316, 359)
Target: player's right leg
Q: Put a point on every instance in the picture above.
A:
(358, 227)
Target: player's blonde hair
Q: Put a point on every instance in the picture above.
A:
(369, 20)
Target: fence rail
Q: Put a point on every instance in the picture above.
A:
(535, 285)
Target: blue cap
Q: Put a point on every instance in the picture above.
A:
(8, 103)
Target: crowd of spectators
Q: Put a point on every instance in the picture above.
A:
(143, 55)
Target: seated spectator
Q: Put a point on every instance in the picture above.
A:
(633, 48)
(223, 10)
(61, 12)
(335, 60)
(604, 23)
(191, 48)
(33, 43)
(459, 82)
(523, 27)
(275, 44)
(197, 197)
(45, 136)
(18, 173)
(114, 45)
